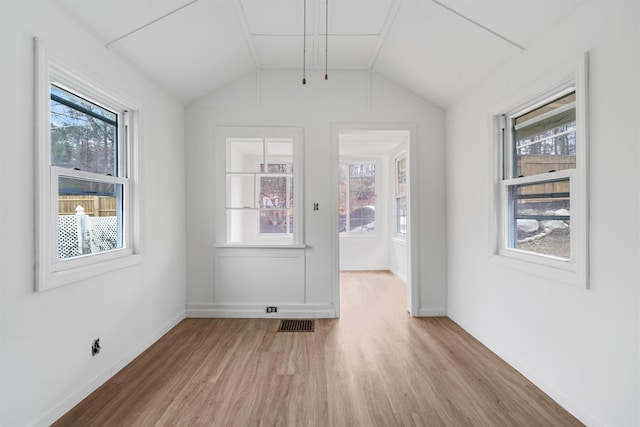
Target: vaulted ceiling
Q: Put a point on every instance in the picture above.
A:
(438, 49)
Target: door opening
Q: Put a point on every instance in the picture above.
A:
(373, 203)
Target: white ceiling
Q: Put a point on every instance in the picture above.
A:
(191, 47)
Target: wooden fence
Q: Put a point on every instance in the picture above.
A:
(533, 165)
(93, 205)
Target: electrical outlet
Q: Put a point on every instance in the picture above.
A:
(272, 309)
(95, 347)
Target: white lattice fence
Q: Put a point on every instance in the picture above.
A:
(82, 234)
(67, 236)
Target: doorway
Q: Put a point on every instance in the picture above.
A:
(373, 203)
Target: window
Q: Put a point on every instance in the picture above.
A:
(87, 173)
(85, 215)
(542, 183)
(357, 197)
(262, 179)
(540, 161)
(401, 196)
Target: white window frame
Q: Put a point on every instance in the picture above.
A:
(573, 271)
(353, 161)
(52, 272)
(397, 197)
(261, 240)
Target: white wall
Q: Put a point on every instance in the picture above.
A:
(580, 346)
(45, 338)
(277, 98)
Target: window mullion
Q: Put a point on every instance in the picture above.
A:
(540, 178)
(89, 176)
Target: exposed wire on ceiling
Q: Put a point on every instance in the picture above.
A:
(304, 44)
(326, 40)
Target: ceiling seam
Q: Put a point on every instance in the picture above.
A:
(477, 24)
(391, 17)
(108, 44)
(244, 25)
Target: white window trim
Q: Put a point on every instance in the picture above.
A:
(51, 272)
(222, 133)
(575, 271)
(363, 160)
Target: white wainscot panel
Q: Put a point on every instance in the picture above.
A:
(259, 276)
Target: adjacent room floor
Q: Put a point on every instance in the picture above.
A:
(375, 366)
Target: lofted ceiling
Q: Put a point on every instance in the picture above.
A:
(439, 49)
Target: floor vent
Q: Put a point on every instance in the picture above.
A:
(296, 325)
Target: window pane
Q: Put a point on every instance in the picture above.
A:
(362, 192)
(401, 177)
(357, 197)
(245, 154)
(545, 138)
(274, 192)
(362, 219)
(84, 136)
(342, 210)
(279, 155)
(276, 221)
(343, 169)
(277, 168)
(89, 217)
(68, 185)
(401, 215)
(366, 170)
(540, 218)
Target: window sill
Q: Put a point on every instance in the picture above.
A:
(259, 246)
(566, 272)
(358, 235)
(70, 275)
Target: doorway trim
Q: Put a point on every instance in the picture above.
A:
(413, 290)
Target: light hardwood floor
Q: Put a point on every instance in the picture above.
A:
(375, 366)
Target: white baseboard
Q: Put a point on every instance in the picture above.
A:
(138, 350)
(365, 268)
(542, 383)
(432, 312)
(89, 387)
(253, 311)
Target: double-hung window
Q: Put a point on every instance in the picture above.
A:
(262, 201)
(357, 197)
(87, 175)
(85, 163)
(542, 185)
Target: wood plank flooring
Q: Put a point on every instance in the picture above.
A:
(375, 366)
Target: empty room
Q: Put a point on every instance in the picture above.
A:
(320, 212)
